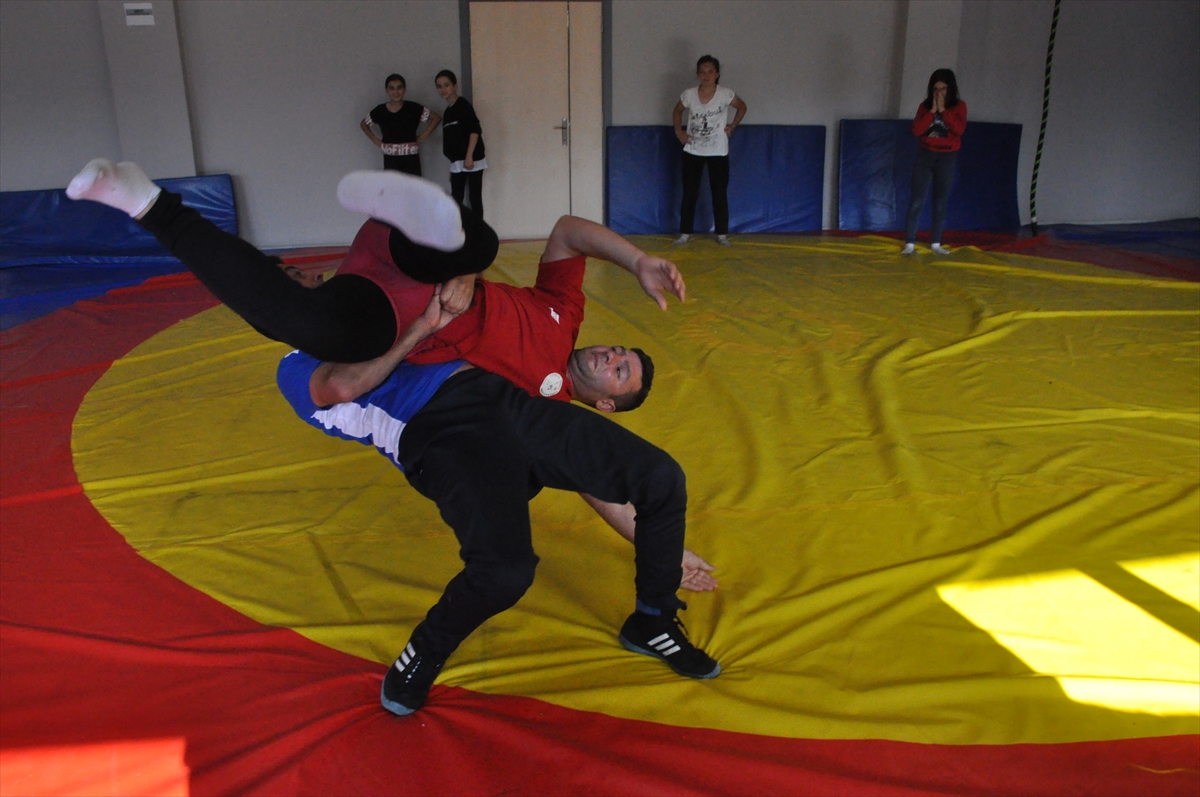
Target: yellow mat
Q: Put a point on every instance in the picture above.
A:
(951, 500)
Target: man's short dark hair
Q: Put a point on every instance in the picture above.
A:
(631, 401)
(394, 76)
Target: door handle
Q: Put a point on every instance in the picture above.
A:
(564, 127)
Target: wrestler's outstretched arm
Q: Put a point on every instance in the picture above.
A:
(573, 236)
(334, 383)
(697, 573)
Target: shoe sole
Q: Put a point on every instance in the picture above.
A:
(391, 705)
(632, 648)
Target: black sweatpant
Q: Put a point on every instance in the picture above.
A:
(718, 181)
(938, 168)
(347, 319)
(482, 448)
(470, 183)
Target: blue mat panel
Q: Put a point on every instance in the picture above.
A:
(47, 228)
(55, 251)
(1175, 237)
(776, 180)
(876, 157)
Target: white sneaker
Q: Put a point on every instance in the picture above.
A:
(418, 208)
(681, 240)
(908, 249)
(938, 249)
(723, 240)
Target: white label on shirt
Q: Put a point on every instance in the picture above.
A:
(554, 315)
(551, 385)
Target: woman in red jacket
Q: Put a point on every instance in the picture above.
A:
(941, 120)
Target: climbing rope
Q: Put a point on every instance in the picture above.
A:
(1037, 159)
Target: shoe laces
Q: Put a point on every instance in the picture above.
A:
(682, 630)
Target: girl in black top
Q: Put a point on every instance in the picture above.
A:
(462, 143)
(398, 120)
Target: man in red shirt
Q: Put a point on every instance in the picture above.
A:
(528, 335)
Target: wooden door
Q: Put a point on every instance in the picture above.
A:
(535, 71)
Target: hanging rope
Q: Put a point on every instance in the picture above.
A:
(1037, 159)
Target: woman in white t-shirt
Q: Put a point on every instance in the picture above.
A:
(706, 141)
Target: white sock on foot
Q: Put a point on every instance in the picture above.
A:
(416, 207)
(908, 249)
(123, 186)
(938, 249)
(723, 240)
(682, 239)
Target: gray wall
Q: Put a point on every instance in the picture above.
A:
(277, 89)
(274, 89)
(1123, 140)
(56, 103)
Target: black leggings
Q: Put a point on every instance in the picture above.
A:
(468, 183)
(348, 319)
(938, 168)
(718, 181)
(481, 448)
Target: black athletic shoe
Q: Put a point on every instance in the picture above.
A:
(407, 681)
(664, 637)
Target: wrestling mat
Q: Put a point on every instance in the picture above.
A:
(953, 502)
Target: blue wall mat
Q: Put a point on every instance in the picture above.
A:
(47, 228)
(55, 251)
(876, 157)
(775, 184)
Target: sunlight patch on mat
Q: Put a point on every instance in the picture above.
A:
(1178, 576)
(858, 430)
(1102, 649)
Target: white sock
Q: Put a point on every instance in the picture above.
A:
(123, 186)
(908, 249)
(682, 239)
(723, 240)
(416, 207)
(939, 249)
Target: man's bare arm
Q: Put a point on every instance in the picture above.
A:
(573, 236)
(696, 572)
(334, 383)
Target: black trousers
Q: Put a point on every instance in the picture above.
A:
(718, 181)
(938, 168)
(482, 448)
(409, 164)
(347, 319)
(468, 183)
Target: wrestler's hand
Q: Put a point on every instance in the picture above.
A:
(432, 320)
(657, 275)
(696, 573)
(457, 294)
